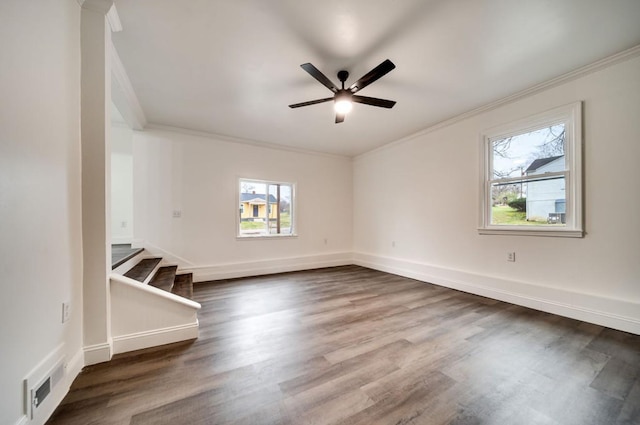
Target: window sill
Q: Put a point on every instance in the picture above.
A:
(265, 237)
(513, 231)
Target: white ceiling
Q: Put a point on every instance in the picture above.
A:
(231, 67)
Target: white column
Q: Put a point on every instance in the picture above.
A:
(95, 126)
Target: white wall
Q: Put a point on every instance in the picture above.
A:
(199, 177)
(121, 183)
(423, 193)
(40, 205)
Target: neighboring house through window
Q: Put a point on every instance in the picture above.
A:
(532, 176)
(265, 208)
(545, 199)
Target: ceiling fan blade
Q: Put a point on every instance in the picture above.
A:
(374, 101)
(311, 102)
(339, 118)
(315, 73)
(371, 76)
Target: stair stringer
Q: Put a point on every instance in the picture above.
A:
(143, 316)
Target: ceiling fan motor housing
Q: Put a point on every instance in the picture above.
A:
(342, 76)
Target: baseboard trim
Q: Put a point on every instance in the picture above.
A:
(613, 313)
(257, 268)
(24, 420)
(97, 353)
(140, 340)
(74, 367)
(59, 383)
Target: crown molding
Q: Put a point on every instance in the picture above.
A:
(114, 19)
(231, 139)
(554, 82)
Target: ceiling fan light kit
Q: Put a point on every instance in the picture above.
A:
(344, 97)
(343, 102)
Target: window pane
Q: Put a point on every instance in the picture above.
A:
(280, 216)
(253, 208)
(529, 153)
(532, 175)
(530, 203)
(265, 208)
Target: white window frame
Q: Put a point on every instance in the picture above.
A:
(571, 116)
(293, 207)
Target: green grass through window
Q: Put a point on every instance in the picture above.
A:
(285, 222)
(505, 215)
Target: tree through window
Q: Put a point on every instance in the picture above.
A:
(531, 175)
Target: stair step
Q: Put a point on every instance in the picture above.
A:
(163, 279)
(183, 285)
(143, 269)
(121, 253)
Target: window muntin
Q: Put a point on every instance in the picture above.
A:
(531, 176)
(265, 209)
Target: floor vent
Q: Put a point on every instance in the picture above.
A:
(38, 395)
(42, 382)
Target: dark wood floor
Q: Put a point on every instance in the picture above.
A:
(349, 345)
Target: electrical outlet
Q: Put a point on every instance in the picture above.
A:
(66, 311)
(511, 256)
(326, 241)
(393, 244)
(177, 213)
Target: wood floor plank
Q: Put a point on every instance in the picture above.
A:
(630, 413)
(405, 402)
(350, 345)
(331, 410)
(616, 378)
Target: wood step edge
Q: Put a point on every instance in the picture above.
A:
(145, 268)
(164, 278)
(183, 285)
(127, 258)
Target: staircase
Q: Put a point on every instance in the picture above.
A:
(151, 304)
(166, 278)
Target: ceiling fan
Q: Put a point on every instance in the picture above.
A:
(344, 98)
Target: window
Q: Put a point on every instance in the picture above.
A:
(265, 208)
(532, 176)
